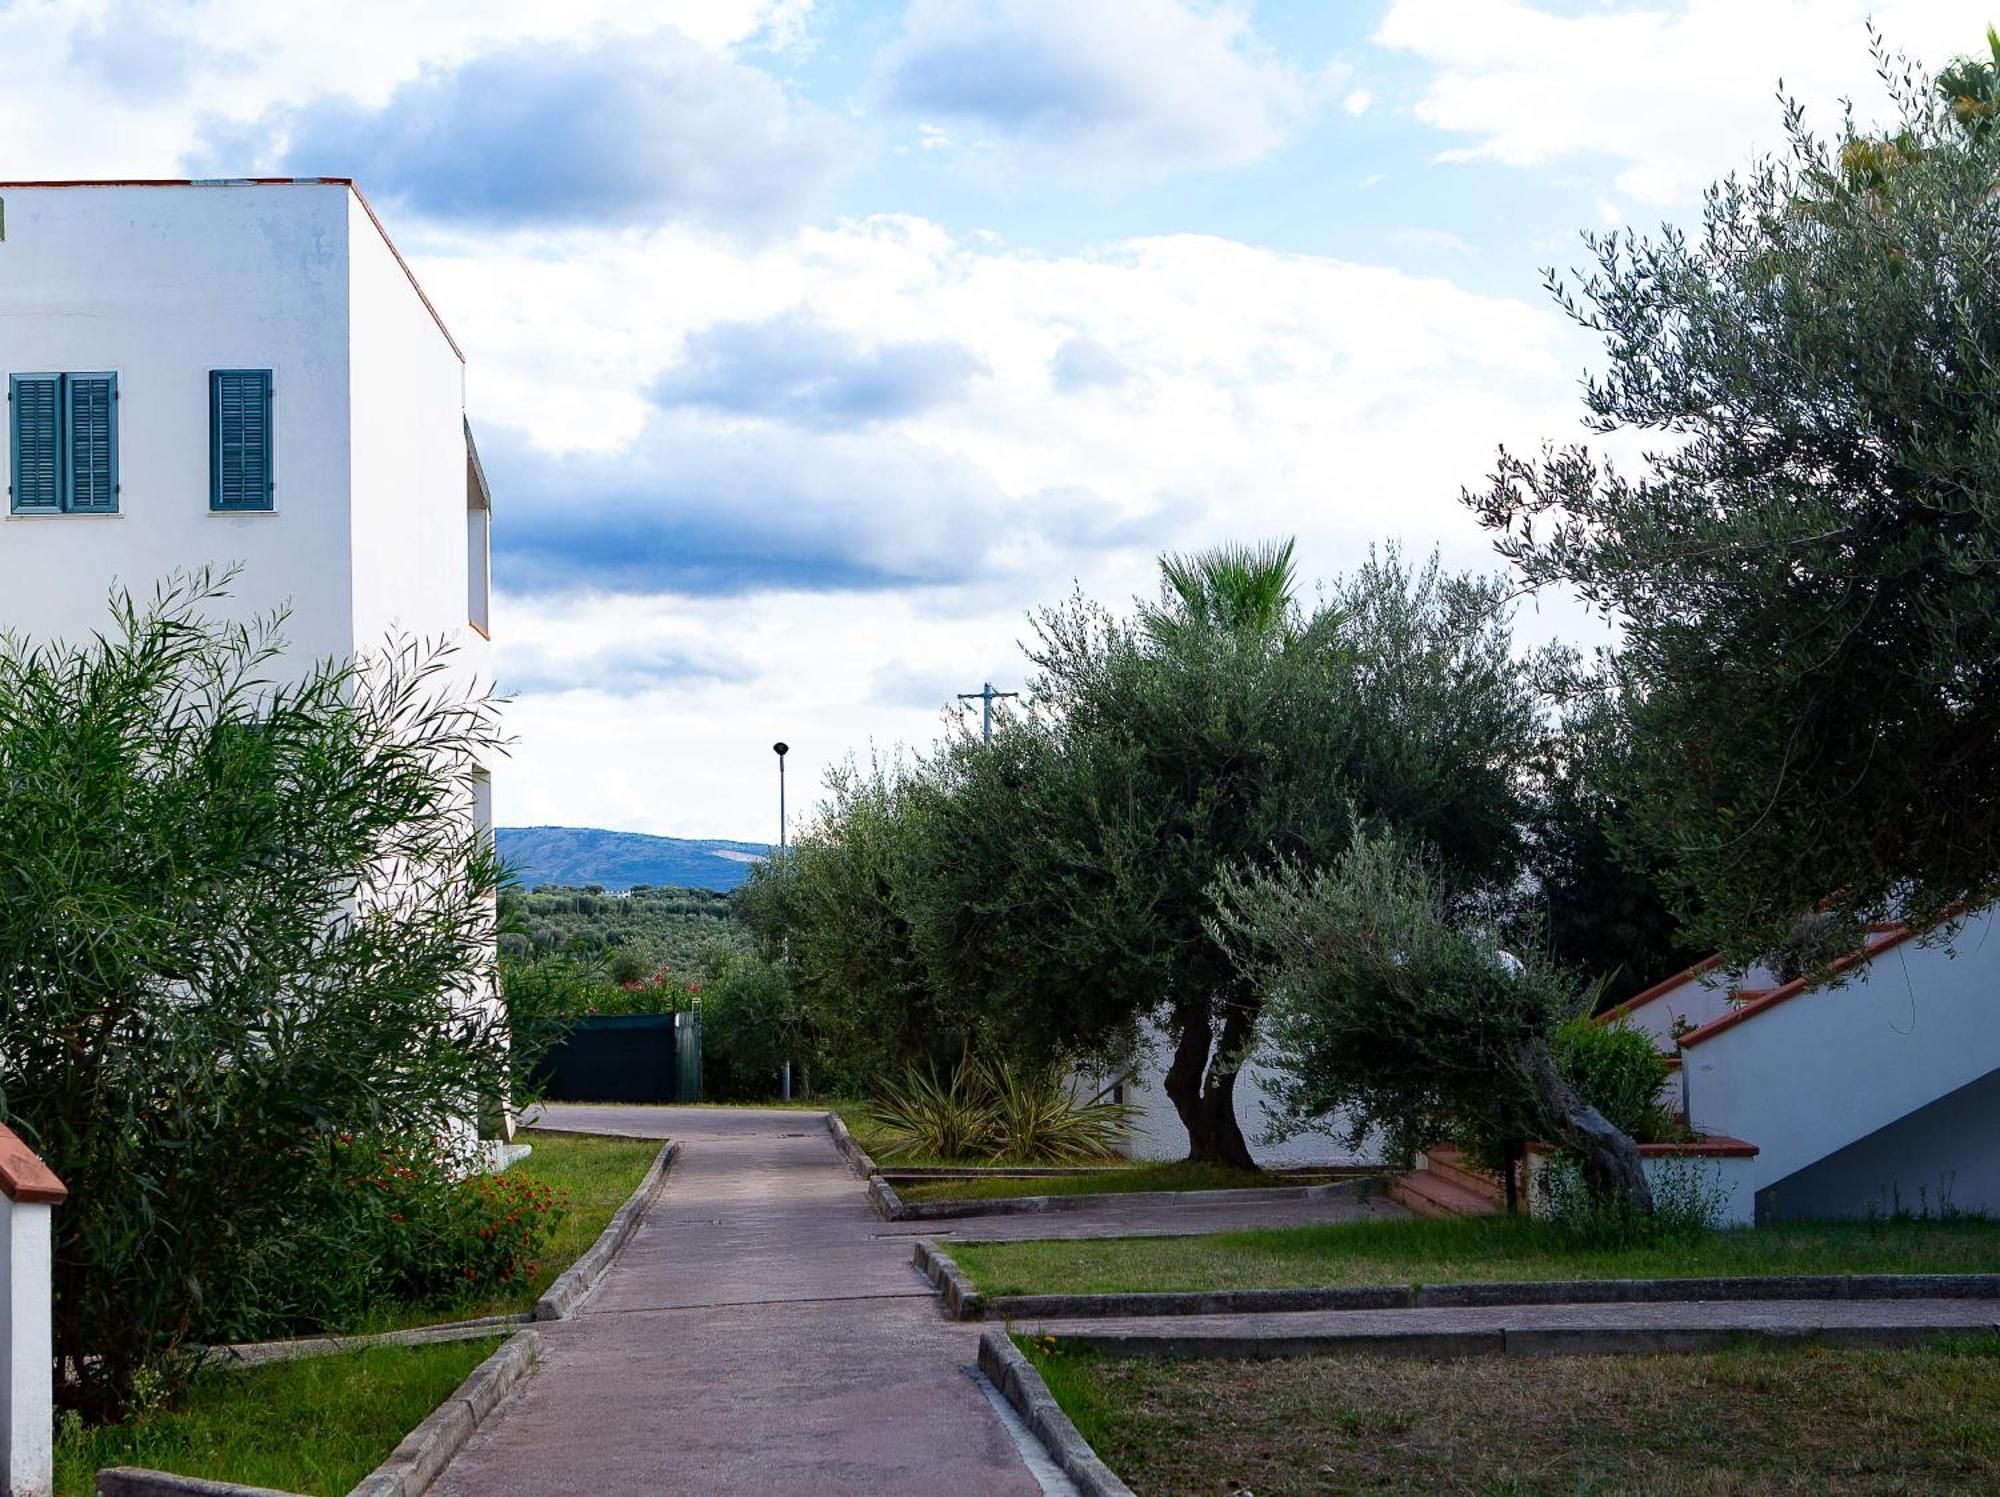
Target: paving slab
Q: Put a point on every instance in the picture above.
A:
(757, 1335)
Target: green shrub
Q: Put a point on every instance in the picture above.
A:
(995, 1110)
(1619, 1071)
(390, 1225)
(1687, 1201)
(244, 907)
(751, 1025)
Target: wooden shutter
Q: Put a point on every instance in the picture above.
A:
(240, 469)
(91, 442)
(35, 407)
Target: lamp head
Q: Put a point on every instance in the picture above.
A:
(781, 749)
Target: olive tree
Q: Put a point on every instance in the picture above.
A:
(244, 909)
(1805, 563)
(1391, 1005)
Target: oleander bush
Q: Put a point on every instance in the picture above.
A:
(1619, 1071)
(244, 909)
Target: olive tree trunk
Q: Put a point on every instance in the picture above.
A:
(1204, 1095)
(1610, 1160)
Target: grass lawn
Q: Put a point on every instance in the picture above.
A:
(1177, 1176)
(593, 1175)
(1817, 1420)
(1487, 1248)
(317, 1425)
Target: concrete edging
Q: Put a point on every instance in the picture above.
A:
(413, 1465)
(856, 1156)
(257, 1353)
(1015, 1376)
(1524, 1341)
(965, 1301)
(897, 1209)
(409, 1469)
(961, 1297)
(576, 1281)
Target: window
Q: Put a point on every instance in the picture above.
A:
(241, 475)
(65, 443)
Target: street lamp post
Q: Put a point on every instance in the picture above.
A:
(781, 749)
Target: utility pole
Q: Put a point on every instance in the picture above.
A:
(986, 697)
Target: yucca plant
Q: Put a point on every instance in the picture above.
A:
(954, 1118)
(1039, 1116)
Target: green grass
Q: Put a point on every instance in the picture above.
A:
(1826, 1421)
(594, 1176)
(315, 1426)
(1113, 1181)
(1436, 1252)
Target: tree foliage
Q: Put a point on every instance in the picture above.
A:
(240, 915)
(1806, 564)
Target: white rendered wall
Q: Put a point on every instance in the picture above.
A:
(161, 285)
(27, 1371)
(1812, 1075)
(409, 458)
(1159, 1135)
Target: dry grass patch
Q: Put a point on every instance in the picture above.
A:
(1820, 1420)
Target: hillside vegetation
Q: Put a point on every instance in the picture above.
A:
(579, 856)
(634, 933)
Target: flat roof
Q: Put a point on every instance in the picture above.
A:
(347, 182)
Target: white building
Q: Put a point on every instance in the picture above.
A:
(207, 373)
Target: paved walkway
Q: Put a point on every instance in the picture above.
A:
(759, 1334)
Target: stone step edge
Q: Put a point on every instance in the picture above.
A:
(962, 1299)
(1009, 1370)
(1525, 1341)
(408, 1470)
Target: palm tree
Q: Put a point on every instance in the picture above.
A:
(1244, 591)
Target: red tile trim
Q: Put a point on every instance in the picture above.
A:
(1687, 974)
(24, 1179)
(1792, 989)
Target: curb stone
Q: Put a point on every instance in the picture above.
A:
(410, 1468)
(856, 1156)
(414, 1464)
(257, 1353)
(961, 1297)
(135, 1481)
(896, 1209)
(1527, 1341)
(1015, 1376)
(1448, 1296)
(576, 1281)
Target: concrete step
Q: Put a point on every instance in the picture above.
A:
(1430, 1194)
(1448, 1163)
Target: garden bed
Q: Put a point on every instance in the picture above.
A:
(1466, 1250)
(1825, 1420)
(593, 1176)
(315, 1426)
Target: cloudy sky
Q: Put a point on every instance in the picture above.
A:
(814, 342)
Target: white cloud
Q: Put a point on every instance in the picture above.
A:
(1141, 85)
(1231, 392)
(1671, 96)
(1358, 102)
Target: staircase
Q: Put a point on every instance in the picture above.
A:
(1445, 1185)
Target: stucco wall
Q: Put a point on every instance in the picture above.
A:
(161, 285)
(1818, 1073)
(1159, 1134)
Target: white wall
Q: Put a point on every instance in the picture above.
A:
(409, 457)
(1817, 1073)
(27, 1372)
(1159, 1134)
(161, 285)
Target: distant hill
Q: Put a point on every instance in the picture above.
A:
(618, 860)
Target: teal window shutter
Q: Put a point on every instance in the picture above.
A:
(240, 471)
(34, 403)
(91, 442)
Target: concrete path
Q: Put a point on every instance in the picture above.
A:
(759, 1334)
(1531, 1330)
